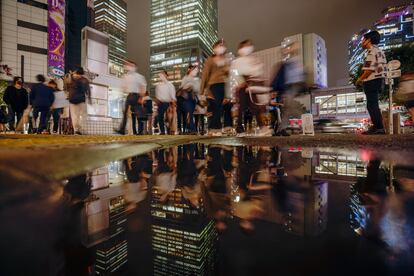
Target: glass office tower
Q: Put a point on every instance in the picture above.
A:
(396, 28)
(182, 33)
(111, 18)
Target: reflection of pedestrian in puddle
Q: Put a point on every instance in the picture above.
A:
(138, 171)
(187, 175)
(165, 175)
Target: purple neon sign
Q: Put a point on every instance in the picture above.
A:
(56, 38)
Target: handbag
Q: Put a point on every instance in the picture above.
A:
(259, 95)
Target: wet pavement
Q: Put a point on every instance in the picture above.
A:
(206, 209)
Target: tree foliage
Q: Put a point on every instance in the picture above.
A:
(405, 54)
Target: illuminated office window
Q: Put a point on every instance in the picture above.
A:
(111, 18)
(182, 33)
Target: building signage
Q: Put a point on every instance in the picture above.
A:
(56, 38)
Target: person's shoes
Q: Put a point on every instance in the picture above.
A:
(240, 130)
(228, 131)
(215, 133)
(77, 133)
(374, 131)
(283, 133)
(119, 131)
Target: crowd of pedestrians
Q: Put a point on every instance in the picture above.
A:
(229, 93)
(229, 109)
(30, 110)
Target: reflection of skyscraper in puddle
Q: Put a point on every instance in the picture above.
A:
(305, 211)
(105, 220)
(183, 239)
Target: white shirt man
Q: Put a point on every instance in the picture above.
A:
(165, 91)
(375, 62)
(134, 82)
(135, 85)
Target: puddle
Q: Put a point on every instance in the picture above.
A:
(215, 210)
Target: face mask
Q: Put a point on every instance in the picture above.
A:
(245, 51)
(194, 73)
(220, 50)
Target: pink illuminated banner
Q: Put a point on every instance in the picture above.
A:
(56, 38)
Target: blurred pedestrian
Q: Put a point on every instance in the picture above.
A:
(41, 99)
(4, 119)
(78, 94)
(215, 74)
(17, 100)
(148, 107)
(190, 87)
(274, 109)
(56, 113)
(136, 86)
(166, 99)
(249, 74)
(181, 122)
(372, 78)
(200, 112)
(288, 82)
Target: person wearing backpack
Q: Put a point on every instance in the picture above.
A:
(79, 92)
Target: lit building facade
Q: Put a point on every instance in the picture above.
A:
(312, 56)
(183, 238)
(396, 28)
(24, 33)
(339, 103)
(182, 33)
(111, 18)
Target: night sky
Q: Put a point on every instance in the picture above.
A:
(267, 22)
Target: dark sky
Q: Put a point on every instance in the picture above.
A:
(267, 22)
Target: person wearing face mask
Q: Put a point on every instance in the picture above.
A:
(135, 85)
(17, 100)
(249, 73)
(215, 74)
(166, 98)
(190, 86)
(372, 78)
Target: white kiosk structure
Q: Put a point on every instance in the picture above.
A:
(105, 112)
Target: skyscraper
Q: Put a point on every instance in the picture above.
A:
(182, 32)
(111, 18)
(396, 27)
(77, 17)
